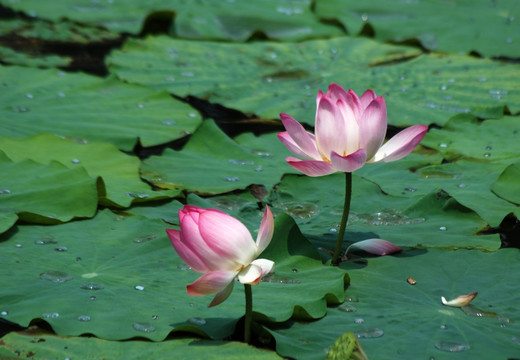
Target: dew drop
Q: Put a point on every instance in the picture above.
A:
(410, 189)
(146, 238)
(352, 298)
(481, 79)
(56, 276)
(4, 313)
(92, 286)
(369, 333)
(192, 115)
(75, 161)
(53, 315)
(29, 96)
(183, 267)
(294, 270)
(139, 287)
(187, 74)
(60, 248)
(444, 326)
(140, 106)
(364, 17)
(231, 178)
(302, 210)
(21, 109)
(84, 318)
(137, 195)
(19, 245)
(143, 327)
(259, 169)
(516, 339)
(443, 145)
(347, 308)
(263, 154)
(451, 346)
(4, 191)
(443, 87)
(92, 298)
(333, 230)
(195, 320)
(155, 317)
(61, 94)
(488, 147)
(359, 321)
(486, 155)
(169, 122)
(443, 228)
(45, 240)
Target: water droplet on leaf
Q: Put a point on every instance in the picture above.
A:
(139, 287)
(92, 286)
(302, 210)
(231, 178)
(4, 313)
(5, 191)
(55, 276)
(60, 248)
(195, 320)
(53, 315)
(451, 346)
(359, 321)
(84, 318)
(146, 238)
(347, 308)
(443, 228)
(143, 327)
(369, 333)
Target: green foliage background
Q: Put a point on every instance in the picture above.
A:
(114, 114)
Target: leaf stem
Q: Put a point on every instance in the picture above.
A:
(249, 313)
(344, 218)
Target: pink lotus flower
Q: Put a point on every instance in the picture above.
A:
(349, 133)
(221, 248)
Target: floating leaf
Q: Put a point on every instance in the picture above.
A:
(507, 185)
(212, 167)
(127, 264)
(30, 191)
(393, 319)
(431, 23)
(88, 108)
(120, 172)
(285, 77)
(233, 20)
(14, 345)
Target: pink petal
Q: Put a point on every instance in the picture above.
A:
(376, 247)
(211, 283)
(223, 295)
(185, 253)
(372, 126)
(192, 239)
(302, 138)
(336, 92)
(255, 271)
(331, 128)
(228, 238)
(401, 144)
(350, 162)
(311, 167)
(265, 233)
(289, 143)
(351, 137)
(367, 97)
(353, 101)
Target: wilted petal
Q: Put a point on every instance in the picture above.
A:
(211, 283)
(230, 240)
(460, 301)
(255, 271)
(265, 233)
(223, 295)
(401, 144)
(350, 162)
(372, 127)
(330, 128)
(185, 253)
(311, 167)
(289, 143)
(375, 247)
(301, 138)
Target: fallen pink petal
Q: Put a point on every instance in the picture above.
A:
(375, 247)
(460, 301)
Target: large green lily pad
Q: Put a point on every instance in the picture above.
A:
(29, 192)
(432, 220)
(42, 346)
(453, 27)
(120, 172)
(88, 108)
(394, 319)
(70, 274)
(231, 20)
(285, 77)
(212, 163)
(507, 185)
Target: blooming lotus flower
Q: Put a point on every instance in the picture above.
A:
(221, 248)
(349, 132)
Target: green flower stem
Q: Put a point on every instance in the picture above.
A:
(346, 210)
(249, 313)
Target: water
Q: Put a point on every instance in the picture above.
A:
(302, 210)
(139, 287)
(195, 320)
(60, 248)
(359, 321)
(45, 240)
(443, 228)
(92, 286)
(137, 195)
(352, 298)
(75, 161)
(437, 174)
(451, 346)
(53, 315)
(84, 318)
(56, 276)
(272, 278)
(183, 267)
(146, 238)
(231, 178)
(241, 162)
(347, 308)
(386, 217)
(369, 333)
(4, 313)
(143, 327)
(4, 191)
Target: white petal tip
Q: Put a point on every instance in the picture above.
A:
(459, 301)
